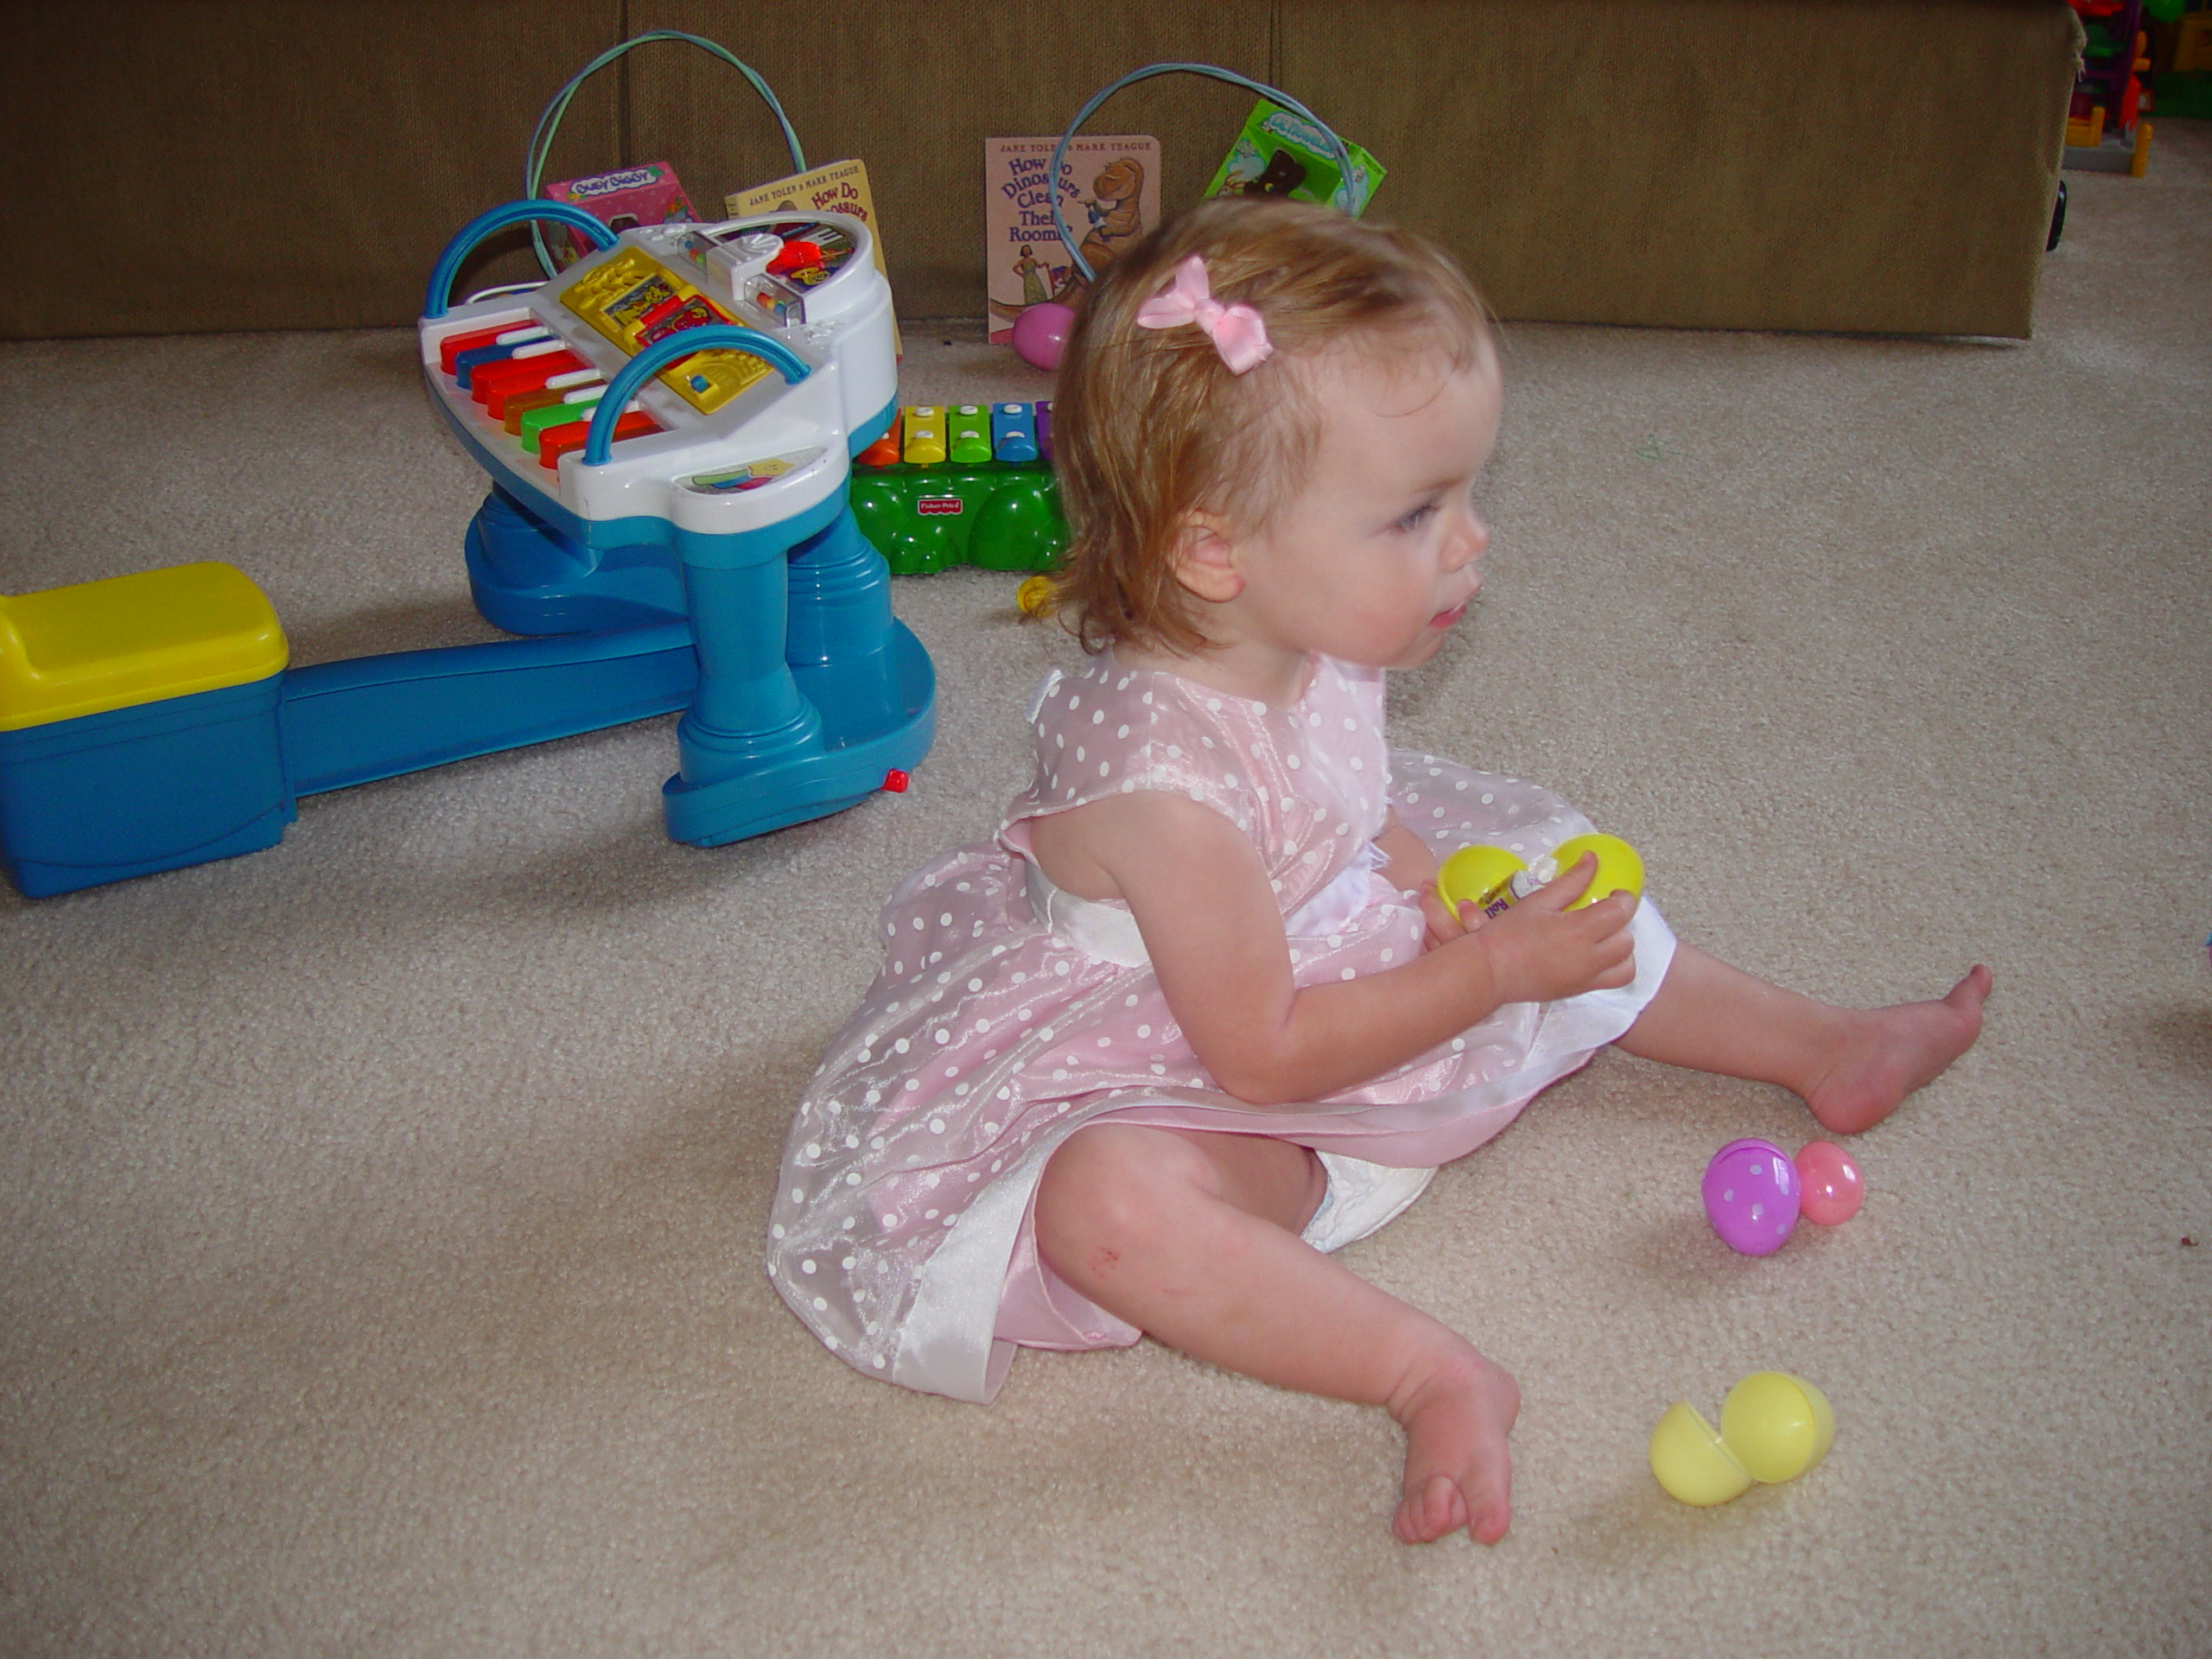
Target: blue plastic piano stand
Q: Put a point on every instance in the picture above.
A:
(528, 577)
(810, 692)
(150, 722)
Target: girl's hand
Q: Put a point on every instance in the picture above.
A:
(1540, 951)
(1411, 868)
(1443, 925)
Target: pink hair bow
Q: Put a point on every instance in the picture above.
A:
(1238, 332)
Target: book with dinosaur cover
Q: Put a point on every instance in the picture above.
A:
(1110, 195)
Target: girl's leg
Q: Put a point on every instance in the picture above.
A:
(1194, 1238)
(1853, 1066)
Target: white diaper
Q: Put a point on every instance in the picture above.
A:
(1363, 1198)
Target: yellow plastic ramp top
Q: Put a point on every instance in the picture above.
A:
(100, 645)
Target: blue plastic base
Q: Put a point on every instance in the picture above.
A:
(526, 576)
(134, 791)
(370, 717)
(879, 715)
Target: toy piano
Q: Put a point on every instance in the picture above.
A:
(668, 426)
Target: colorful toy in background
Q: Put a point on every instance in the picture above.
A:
(967, 484)
(1754, 1191)
(2104, 130)
(1494, 879)
(2181, 58)
(668, 514)
(840, 187)
(1773, 1426)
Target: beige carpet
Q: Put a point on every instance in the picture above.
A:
(380, 1214)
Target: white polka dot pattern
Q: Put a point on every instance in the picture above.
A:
(986, 1038)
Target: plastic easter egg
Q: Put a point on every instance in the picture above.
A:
(1777, 1425)
(1476, 875)
(1040, 333)
(1751, 1195)
(1832, 1190)
(1620, 869)
(1688, 1460)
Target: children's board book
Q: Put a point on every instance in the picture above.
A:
(833, 188)
(1110, 196)
(649, 194)
(1280, 154)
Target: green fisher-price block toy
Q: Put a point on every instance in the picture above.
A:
(971, 484)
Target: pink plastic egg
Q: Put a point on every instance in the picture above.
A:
(1751, 1195)
(1040, 333)
(1832, 1190)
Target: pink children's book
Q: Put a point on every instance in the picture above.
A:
(646, 194)
(1110, 196)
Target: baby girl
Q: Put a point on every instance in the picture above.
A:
(1196, 1019)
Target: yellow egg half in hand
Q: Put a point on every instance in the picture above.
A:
(1479, 875)
(1620, 869)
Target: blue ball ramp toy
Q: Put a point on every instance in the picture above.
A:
(668, 426)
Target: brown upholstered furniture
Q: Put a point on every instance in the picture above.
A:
(1883, 165)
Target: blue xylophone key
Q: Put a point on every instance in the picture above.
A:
(1013, 432)
(1044, 431)
(499, 351)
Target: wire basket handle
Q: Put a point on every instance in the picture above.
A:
(1067, 240)
(549, 119)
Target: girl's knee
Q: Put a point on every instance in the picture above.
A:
(1123, 1183)
(1114, 1179)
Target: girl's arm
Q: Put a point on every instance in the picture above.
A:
(1213, 927)
(1412, 870)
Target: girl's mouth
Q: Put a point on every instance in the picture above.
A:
(1446, 618)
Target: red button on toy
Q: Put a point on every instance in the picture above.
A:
(796, 255)
(896, 781)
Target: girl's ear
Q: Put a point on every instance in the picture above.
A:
(1206, 559)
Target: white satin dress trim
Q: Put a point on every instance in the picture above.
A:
(959, 1294)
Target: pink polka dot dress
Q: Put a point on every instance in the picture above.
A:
(1007, 1014)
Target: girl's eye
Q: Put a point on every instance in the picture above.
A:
(1414, 519)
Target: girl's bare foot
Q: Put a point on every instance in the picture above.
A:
(1455, 1416)
(1886, 1054)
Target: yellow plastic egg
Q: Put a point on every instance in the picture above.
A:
(1777, 1425)
(1620, 869)
(1478, 875)
(1691, 1460)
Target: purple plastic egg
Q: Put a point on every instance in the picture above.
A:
(1040, 333)
(1752, 1190)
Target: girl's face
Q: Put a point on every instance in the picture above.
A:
(1379, 552)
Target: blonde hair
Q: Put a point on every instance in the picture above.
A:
(1150, 427)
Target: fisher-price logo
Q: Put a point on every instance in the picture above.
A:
(940, 506)
(607, 183)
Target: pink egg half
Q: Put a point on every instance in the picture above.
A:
(1833, 1189)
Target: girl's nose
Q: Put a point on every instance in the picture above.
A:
(1470, 544)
